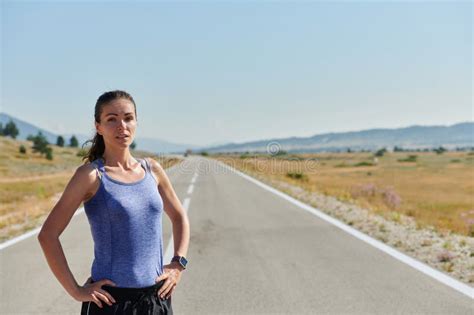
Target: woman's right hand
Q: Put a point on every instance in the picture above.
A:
(94, 292)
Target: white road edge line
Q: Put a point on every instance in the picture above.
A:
(28, 234)
(170, 247)
(420, 266)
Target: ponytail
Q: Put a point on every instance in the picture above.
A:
(97, 149)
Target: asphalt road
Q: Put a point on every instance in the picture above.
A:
(251, 252)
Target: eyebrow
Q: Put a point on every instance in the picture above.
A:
(130, 113)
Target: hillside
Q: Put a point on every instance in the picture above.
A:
(413, 137)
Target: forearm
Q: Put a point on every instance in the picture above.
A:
(181, 234)
(56, 259)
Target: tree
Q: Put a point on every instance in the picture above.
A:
(10, 130)
(439, 150)
(22, 149)
(1, 129)
(40, 143)
(73, 142)
(49, 153)
(133, 145)
(60, 141)
(380, 152)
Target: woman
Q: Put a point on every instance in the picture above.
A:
(124, 199)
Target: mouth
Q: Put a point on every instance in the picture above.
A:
(122, 137)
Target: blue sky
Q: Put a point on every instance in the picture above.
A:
(207, 72)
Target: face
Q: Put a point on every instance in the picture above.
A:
(117, 123)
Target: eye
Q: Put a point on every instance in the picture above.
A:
(111, 119)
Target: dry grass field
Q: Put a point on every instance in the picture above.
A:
(30, 185)
(435, 189)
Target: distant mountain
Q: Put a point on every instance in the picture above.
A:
(26, 128)
(412, 137)
(458, 135)
(162, 146)
(147, 144)
(218, 143)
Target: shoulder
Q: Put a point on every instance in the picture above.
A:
(156, 168)
(86, 173)
(154, 164)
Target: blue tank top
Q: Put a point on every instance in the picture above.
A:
(126, 226)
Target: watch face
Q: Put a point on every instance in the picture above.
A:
(183, 261)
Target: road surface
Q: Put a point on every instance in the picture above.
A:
(251, 252)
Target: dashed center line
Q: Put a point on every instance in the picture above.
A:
(190, 189)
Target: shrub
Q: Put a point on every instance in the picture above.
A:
(388, 194)
(81, 152)
(49, 153)
(439, 150)
(380, 152)
(22, 149)
(445, 256)
(391, 198)
(468, 218)
(365, 190)
(364, 163)
(410, 158)
(296, 175)
(395, 216)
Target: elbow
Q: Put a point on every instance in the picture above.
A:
(180, 218)
(176, 213)
(41, 237)
(45, 236)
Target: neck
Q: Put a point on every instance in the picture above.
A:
(121, 158)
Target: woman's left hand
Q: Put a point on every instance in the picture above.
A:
(172, 274)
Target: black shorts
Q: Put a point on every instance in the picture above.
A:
(131, 301)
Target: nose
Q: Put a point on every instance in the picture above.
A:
(122, 124)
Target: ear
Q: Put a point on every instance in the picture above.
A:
(97, 127)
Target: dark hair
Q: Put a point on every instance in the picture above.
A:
(98, 146)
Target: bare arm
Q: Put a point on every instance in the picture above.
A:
(174, 209)
(74, 193)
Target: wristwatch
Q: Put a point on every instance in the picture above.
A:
(182, 261)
